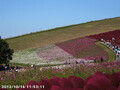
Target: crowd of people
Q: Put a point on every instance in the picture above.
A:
(114, 47)
(101, 59)
(77, 62)
(7, 67)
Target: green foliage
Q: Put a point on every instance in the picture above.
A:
(5, 52)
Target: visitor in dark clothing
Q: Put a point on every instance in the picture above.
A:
(101, 59)
(94, 60)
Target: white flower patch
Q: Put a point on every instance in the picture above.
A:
(27, 57)
(50, 54)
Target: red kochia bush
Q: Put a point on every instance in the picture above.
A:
(2, 88)
(87, 79)
(70, 77)
(100, 81)
(54, 81)
(78, 82)
(107, 75)
(32, 82)
(46, 84)
(115, 79)
(29, 84)
(90, 87)
(99, 73)
(56, 88)
(108, 36)
(112, 88)
(65, 83)
(119, 87)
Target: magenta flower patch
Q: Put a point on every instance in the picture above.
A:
(83, 48)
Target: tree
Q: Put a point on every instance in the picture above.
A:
(5, 52)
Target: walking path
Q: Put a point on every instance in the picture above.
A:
(117, 58)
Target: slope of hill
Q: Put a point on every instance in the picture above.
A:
(42, 38)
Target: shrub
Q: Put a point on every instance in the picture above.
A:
(5, 52)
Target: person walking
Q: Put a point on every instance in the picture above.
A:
(113, 47)
(101, 59)
(66, 63)
(117, 55)
(116, 50)
(113, 39)
(76, 62)
(94, 60)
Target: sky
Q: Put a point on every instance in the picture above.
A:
(18, 17)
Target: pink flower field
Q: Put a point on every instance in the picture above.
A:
(83, 48)
(53, 53)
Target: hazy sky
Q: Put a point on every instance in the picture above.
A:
(19, 17)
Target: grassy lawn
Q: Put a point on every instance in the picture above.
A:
(111, 53)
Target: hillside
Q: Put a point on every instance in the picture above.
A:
(42, 38)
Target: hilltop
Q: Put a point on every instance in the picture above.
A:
(57, 35)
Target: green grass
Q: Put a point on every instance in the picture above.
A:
(94, 51)
(19, 64)
(111, 53)
(56, 35)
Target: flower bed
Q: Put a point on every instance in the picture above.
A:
(53, 53)
(108, 36)
(83, 48)
(27, 57)
(98, 81)
(84, 71)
